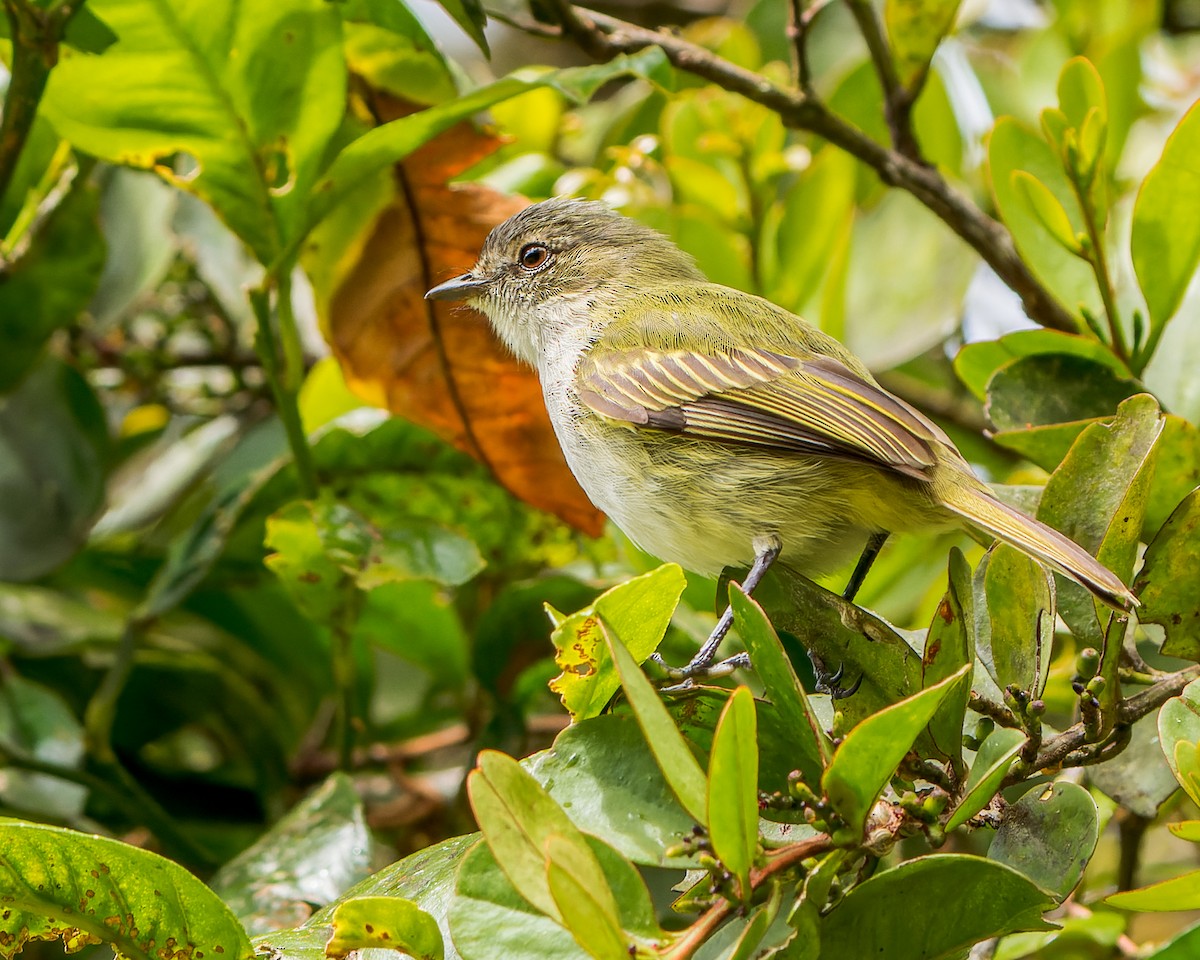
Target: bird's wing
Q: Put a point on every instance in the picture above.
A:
(762, 398)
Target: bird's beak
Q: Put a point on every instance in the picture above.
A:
(460, 288)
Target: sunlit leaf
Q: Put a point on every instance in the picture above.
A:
(389, 923)
(915, 28)
(992, 762)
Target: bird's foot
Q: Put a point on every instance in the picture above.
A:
(831, 683)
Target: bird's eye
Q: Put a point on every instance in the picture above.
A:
(534, 256)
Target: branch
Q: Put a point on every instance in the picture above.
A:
(897, 103)
(1058, 751)
(604, 37)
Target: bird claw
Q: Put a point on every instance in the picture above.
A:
(831, 683)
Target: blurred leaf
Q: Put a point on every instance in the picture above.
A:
(602, 773)
(1178, 893)
(53, 443)
(436, 363)
(324, 395)
(307, 859)
(679, 767)
(1080, 90)
(914, 29)
(811, 747)
(869, 754)
(1138, 778)
(1097, 497)
(974, 899)
(427, 878)
(585, 901)
(1012, 147)
(1014, 640)
(843, 635)
(388, 923)
(1179, 726)
(58, 883)
(733, 788)
(392, 52)
(912, 302)
(518, 818)
(992, 761)
(50, 283)
(490, 918)
(469, 15)
(1181, 947)
(976, 363)
(1186, 830)
(1047, 209)
(639, 611)
(1166, 586)
(1049, 835)
(169, 86)
(36, 723)
(1166, 243)
(947, 650)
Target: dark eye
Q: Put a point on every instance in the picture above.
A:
(534, 255)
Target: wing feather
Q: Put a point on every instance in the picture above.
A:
(762, 398)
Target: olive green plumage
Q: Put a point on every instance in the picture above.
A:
(706, 421)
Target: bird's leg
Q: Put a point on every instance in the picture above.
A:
(830, 683)
(874, 544)
(766, 549)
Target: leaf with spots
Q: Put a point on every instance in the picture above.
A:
(388, 923)
(58, 884)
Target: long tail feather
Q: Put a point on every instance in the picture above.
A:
(1040, 541)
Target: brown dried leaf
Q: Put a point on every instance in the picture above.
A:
(439, 364)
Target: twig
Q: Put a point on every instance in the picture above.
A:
(995, 711)
(603, 37)
(1058, 750)
(897, 104)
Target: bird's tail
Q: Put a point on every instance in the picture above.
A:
(1039, 541)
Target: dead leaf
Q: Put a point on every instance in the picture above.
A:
(439, 364)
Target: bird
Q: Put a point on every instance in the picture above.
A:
(715, 428)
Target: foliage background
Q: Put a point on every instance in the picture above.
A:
(227, 574)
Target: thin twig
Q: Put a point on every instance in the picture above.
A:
(897, 104)
(603, 37)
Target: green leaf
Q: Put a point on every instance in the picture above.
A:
(1080, 90)
(58, 883)
(53, 446)
(914, 29)
(1182, 947)
(490, 919)
(675, 759)
(948, 650)
(1097, 497)
(36, 723)
(602, 773)
(518, 818)
(392, 142)
(733, 787)
(976, 363)
(427, 878)
(1050, 388)
(1047, 208)
(811, 746)
(1176, 472)
(320, 848)
(1049, 835)
(842, 634)
(1178, 893)
(584, 900)
(1138, 778)
(973, 899)
(1166, 584)
(1186, 830)
(252, 92)
(1179, 735)
(1013, 146)
(1165, 242)
(469, 15)
(1014, 641)
(639, 610)
(50, 284)
(992, 762)
(870, 753)
(389, 923)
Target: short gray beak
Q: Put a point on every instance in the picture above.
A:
(457, 289)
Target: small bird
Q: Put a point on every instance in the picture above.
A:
(714, 427)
